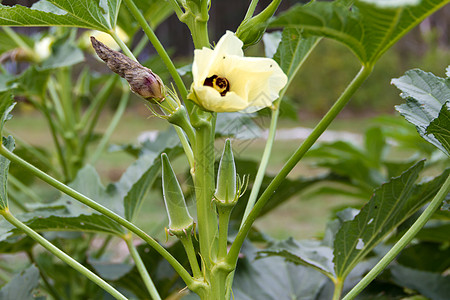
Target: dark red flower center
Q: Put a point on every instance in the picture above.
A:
(220, 84)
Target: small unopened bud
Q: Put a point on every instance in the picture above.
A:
(142, 80)
(180, 221)
(251, 30)
(226, 189)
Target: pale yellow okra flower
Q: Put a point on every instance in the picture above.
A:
(226, 81)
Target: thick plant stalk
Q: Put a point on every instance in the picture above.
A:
(61, 255)
(403, 242)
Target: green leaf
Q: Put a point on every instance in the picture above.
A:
(307, 252)
(390, 205)
(21, 285)
(425, 96)
(93, 14)
(141, 175)
(154, 11)
(431, 257)
(8, 143)
(65, 53)
(368, 29)
(440, 128)
(6, 106)
(273, 278)
(293, 50)
(432, 285)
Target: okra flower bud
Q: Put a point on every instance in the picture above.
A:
(251, 30)
(142, 80)
(180, 221)
(226, 189)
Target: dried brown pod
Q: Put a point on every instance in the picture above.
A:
(142, 80)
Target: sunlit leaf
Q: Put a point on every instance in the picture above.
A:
(368, 29)
(440, 127)
(426, 95)
(94, 14)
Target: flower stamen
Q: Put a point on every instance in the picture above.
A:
(220, 84)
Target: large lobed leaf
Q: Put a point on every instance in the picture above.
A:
(93, 14)
(427, 105)
(390, 205)
(273, 278)
(368, 29)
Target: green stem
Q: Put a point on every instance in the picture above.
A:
(141, 268)
(264, 162)
(105, 245)
(17, 39)
(122, 45)
(99, 100)
(403, 242)
(24, 188)
(65, 83)
(52, 291)
(45, 110)
(294, 159)
(112, 126)
(103, 210)
(158, 46)
(32, 150)
(338, 286)
(204, 189)
(57, 105)
(200, 30)
(140, 45)
(15, 200)
(176, 8)
(61, 255)
(99, 103)
(186, 147)
(184, 142)
(224, 218)
(192, 256)
(251, 9)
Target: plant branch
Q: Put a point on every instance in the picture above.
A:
(112, 126)
(294, 159)
(61, 255)
(251, 9)
(141, 268)
(158, 46)
(103, 210)
(192, 256)
(403, 242)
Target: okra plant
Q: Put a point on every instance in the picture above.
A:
(215, 258)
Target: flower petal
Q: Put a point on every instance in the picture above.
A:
(213, 101)
(205, 59)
